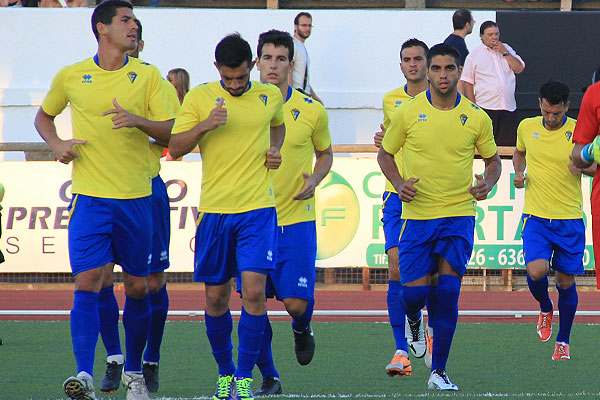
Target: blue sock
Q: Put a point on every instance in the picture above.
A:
(218, 330)
(264, 362)
(301, 323)
(85, 326)
(396, 313)
(159, 306)
(567, 305)
(108, 309)
(539, 290)
(413, 300)
(136, 321)
(431, 306)
(446, 317)
(251, 330)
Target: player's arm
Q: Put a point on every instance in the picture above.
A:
(406, 189)
(485, 182)
(62, 149)
(273, 156)
(519, 163)
(158, 130)
(322, 167)
(184, 142)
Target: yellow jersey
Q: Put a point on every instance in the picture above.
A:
(306, 129)
(551, 191)
(391, 101)
(234, 176)
(438, 148)
(156, 150)
(114, 163)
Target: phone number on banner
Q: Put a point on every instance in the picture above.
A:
(511, 256)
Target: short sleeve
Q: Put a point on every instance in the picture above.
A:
(56, 99)
(321, 137)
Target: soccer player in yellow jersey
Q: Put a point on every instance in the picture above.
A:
(238, 125)
(413, 64)
(307, 132)
(159, 299)
(117, 102)
(553, 228)
(438, 132)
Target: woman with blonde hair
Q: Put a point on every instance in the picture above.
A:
(179, 78)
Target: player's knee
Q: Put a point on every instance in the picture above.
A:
(253, 294)
(294, 306)
(565, 281)
(156, 282)
(136, 288)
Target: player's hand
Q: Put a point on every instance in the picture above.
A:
(308, 190)
(519, 180)
(408, 190)
(121, 118)
(378, 138)
(64, 152)
(481, 189)
(217, 116)
(572, 168)
(273, 160)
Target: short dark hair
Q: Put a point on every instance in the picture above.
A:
(412, 42)
(276, 38)
(443, 49)
(554, 92)
(486, 25)
(105, 11)
(139, 31)
(301, 14)
(232, 51)
(461, 18)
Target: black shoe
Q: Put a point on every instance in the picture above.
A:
(112, 377)
(270, 386)
(304, 345)
(150, 372)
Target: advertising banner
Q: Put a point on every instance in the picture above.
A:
(348, 206)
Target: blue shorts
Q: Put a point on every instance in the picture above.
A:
(161, 221)
(392, 222)
(295, 274)
(110, 230)
(422, 242)
(560, 241)
(228, 243)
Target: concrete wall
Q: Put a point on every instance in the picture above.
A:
(354, 56)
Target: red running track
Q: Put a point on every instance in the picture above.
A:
(189, 299)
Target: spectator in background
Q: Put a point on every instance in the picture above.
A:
(463, 24)
(62, 3)
(179, 78)
(489, 81)
(300, 74)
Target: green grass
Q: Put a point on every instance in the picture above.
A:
(490, 360)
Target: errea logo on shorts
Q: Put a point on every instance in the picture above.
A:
(302, 282)
(164, 255)
(270, 255)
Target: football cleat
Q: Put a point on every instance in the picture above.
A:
(561, 351)
(400, 365)
(224, 389)
(135, 385)
(415, 336)
(438, 380)
(270, 386)
(79, 388)
(150, 372)
(544, 326)
(112, 377)
(243, 389)
(304, 346)
(429, 341)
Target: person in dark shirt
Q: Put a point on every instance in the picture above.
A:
(463, 24)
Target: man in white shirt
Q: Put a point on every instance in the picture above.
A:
(300, 74)
(489, 81)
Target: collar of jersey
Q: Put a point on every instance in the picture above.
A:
(563, 124)
(289, 94)
(98, 62)
(428, 94)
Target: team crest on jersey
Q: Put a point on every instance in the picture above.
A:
(218, 99)
(536, 135)
(295, 113)
(308, 207)
(568, 135)
(308, 100)
(397, 103)
(87, 78)
(463, 119)
(263, 98)
(132, 76)
(422, 118)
